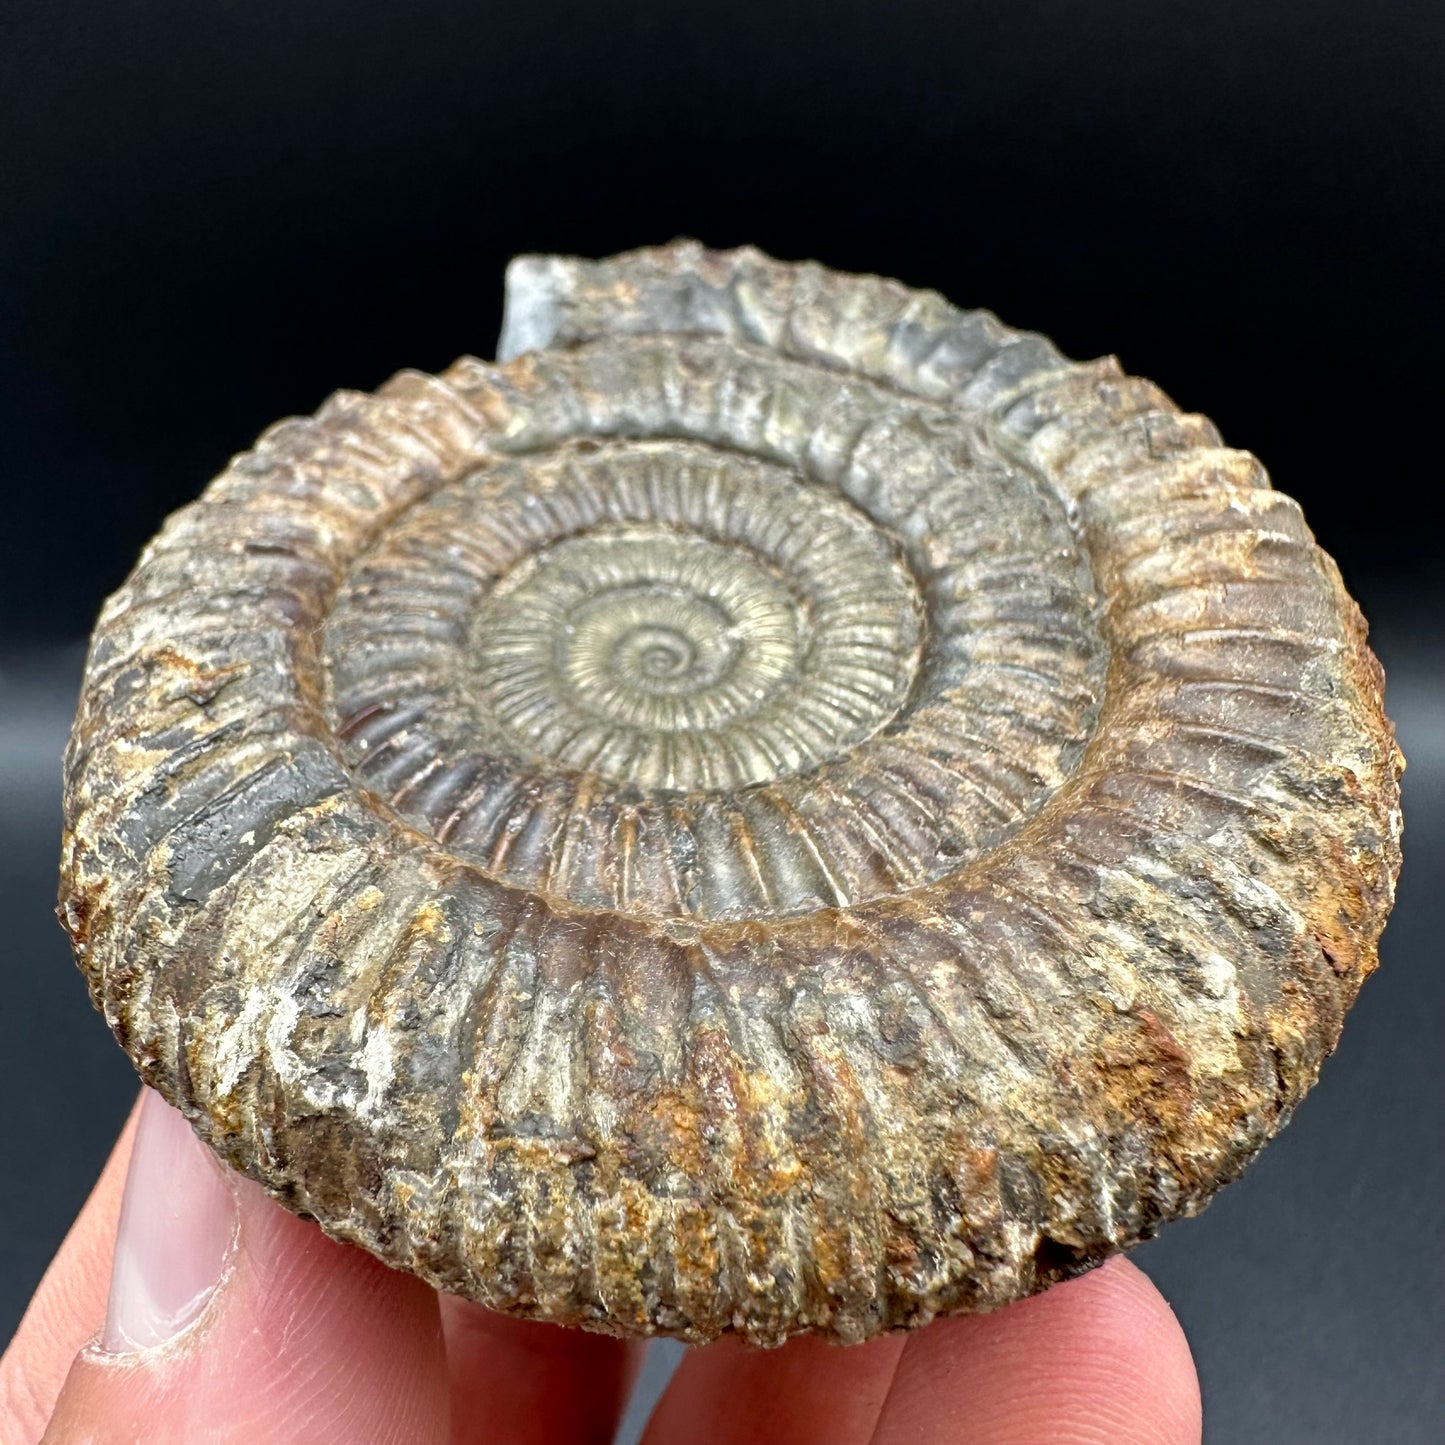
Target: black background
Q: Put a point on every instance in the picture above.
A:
(213, 213)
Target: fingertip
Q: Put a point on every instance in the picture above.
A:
(263, 1331)
(68, 1306)
(177, 1228)
(1140, 1358)
(532, 1383)
(807, 1392)
(1101, 1358)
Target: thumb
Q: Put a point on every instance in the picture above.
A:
(229, 1320)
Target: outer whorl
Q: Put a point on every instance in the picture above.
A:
(780, 805)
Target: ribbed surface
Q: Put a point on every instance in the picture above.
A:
(787, 806)
(870, 669)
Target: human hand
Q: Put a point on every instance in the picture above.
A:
(215, 1316)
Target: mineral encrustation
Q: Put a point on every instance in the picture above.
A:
(780, 805)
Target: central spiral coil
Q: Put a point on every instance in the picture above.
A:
(667, 675)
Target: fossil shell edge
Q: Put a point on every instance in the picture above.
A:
(780, 805)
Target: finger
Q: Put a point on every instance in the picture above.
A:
(804, 1392)
(230, 1320)
(67, 1308)
(518, 1382)
(1099, 1358)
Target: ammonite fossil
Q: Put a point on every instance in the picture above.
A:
(780, 805)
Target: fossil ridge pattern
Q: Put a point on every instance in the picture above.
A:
(780, 805)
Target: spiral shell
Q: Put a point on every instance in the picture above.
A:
(781, 805)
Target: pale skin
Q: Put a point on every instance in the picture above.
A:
(306, 1339)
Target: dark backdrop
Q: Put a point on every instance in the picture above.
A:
(212, 213)
(217, 212)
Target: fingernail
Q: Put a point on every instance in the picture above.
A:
(177, 1225)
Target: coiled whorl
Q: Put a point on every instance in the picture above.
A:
(779, 805)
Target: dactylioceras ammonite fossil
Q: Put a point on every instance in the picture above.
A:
(781, 805)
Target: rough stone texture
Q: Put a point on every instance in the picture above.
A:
(781, 805)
